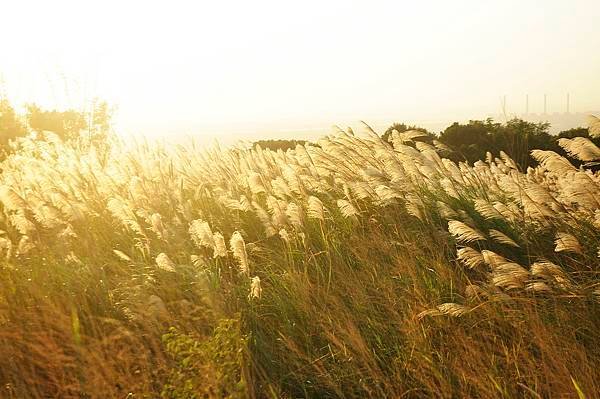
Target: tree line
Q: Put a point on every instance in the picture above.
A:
(472, 140)
(465, 141)
(68, 124)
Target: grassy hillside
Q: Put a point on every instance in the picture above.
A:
(356, 268)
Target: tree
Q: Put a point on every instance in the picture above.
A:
(516, 138)
(66, 124)
(11, 125)
(275, 145)
(72, 124)
(470, 141)
(100, 120)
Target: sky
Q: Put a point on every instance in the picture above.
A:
(267, 68)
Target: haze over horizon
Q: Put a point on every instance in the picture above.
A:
(232, 68)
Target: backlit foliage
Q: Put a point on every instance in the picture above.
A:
(351, 268)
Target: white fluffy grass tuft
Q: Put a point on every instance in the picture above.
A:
(463, 232)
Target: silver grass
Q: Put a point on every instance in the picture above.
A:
(424, 146)
(238, 247)
(21, 223)
(294, 214)
(414, 206)
(449, 187)
(551, 272)
(284, 235)
(538, 287)
(315, 210)
(475, 292)
(291, 177)
(452, 309)
(277, 208)
(121, 211)
(201, 233)
(371, 172)
(470, 257)
(121, 255)
(220, 249)
(164, 262)
(255, 183)
(596, 294)
(507, 212)
(72, 259)
(361, 190)
(346, 208)
(509, 276)
(265, 219)
(387, 194)
(487, 210)
(553, 161)
(25, 245)
(198, 261)
(231, 203)
(280, 188)
(508, 161)
(453, 170)
(566, 242)
(427, 171)
(580, 188)
(502, 238)
(446, 211)
(346, 189)
(47, 216)
(5, 243)
(492, 259)
(539, 194)
(410, 135)
(463, 232)
(8, 245)
(245, 204)
(157, 225)
(67, 232)
(441, 146)
(594, 126)
(429, 313)
(10, 199)
(255, 288)
(581, 148)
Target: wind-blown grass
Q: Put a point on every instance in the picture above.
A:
(351, 268)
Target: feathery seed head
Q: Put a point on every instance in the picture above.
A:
(220, 249)
(567, 242)
(201, 233)
(463, 232)
(121, 255)
(238, 247)
(502, 238)
(470, 257)
(255, 288)
(346, 208)
(164, 262)
(316, 210)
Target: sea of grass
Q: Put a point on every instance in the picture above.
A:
(346, 268)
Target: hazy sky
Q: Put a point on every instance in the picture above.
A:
(233, 66)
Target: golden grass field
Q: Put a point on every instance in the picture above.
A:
(348, 268)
